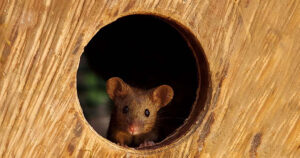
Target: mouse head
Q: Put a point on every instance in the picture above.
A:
(136, 109)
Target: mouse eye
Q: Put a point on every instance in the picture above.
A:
(147, 112)
(125, 109)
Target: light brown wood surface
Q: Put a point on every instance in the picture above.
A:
(253, 52)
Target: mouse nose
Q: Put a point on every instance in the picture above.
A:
(132, 128)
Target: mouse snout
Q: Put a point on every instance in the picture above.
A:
(133, 129)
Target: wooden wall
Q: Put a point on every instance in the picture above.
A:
(253, 52)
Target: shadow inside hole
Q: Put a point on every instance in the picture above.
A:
(145, 52)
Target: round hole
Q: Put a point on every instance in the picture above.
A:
(146, 51)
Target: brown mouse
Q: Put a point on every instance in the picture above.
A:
(134, 118)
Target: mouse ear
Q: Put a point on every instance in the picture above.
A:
(163, 95)
(116, 87)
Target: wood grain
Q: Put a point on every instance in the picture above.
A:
(253, 51)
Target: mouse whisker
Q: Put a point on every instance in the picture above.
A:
(175, 118)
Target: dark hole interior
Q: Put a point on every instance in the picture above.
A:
(145, 51)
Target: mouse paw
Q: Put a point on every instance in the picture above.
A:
(146, 143)
(123, 145)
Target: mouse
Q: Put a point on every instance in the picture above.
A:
(134, 120)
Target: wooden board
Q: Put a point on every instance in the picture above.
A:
(253, 51)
